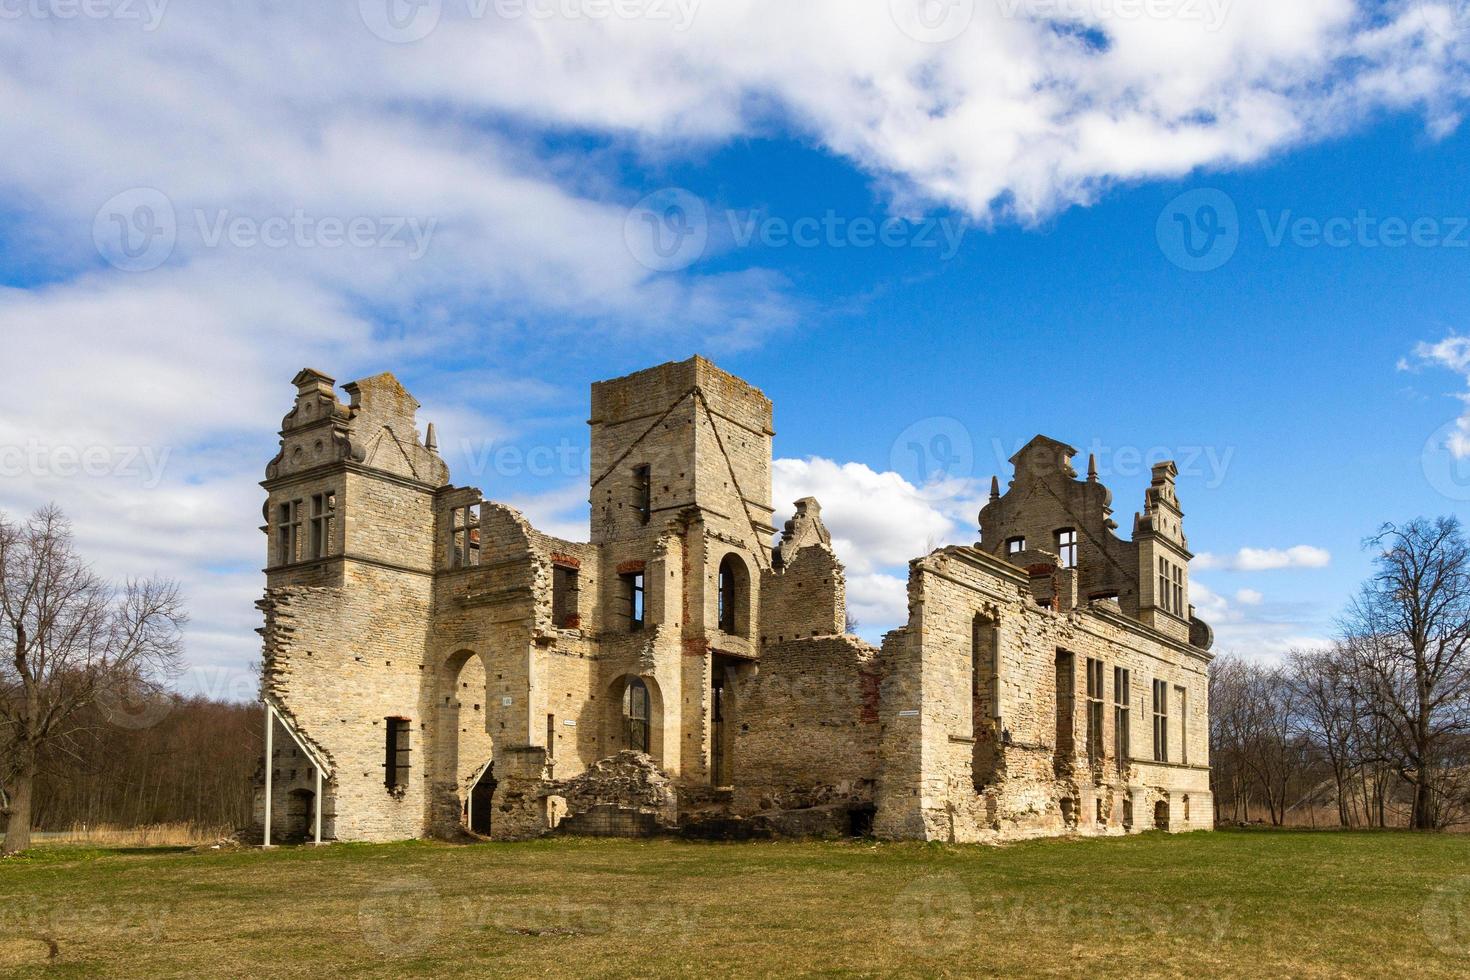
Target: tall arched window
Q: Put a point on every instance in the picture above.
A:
(635, 715)
(734, 611)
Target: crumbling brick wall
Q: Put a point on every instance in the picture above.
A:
(807, 730)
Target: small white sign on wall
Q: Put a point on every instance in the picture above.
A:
(569, 722)
(507, 701)
(911, 713)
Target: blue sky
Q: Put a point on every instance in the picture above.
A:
(1035, 166)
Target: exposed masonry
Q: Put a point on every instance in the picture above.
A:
(688, 668)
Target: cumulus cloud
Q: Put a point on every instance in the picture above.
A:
(879, 522)
(1266, 559)
(1249, 597)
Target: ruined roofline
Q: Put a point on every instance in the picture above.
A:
(693, 374)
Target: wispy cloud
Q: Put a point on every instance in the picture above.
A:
(1266, 559)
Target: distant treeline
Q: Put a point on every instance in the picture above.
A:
(194, 764)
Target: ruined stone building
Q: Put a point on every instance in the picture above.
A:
(435, 665)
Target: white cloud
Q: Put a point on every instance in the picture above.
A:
(1451, 353)
(490, 133)
(879, 602)
(879, 522)
(1266, 559)
(1252, 626)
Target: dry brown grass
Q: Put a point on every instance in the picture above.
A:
(150, 835)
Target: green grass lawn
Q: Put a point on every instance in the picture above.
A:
(1252, 903)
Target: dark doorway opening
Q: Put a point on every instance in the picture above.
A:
(482, 796)
(300, 815)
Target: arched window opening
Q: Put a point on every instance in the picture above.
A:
(734, 595)
(635, 715)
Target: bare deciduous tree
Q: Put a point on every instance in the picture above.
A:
(1409, 630)
(67, 636)
(1322, 684)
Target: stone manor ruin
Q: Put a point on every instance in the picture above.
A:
(434, 665)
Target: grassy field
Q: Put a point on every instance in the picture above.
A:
(1247, 903)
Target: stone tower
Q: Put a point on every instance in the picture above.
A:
(681, 507)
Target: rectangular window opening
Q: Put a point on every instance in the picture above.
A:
(1121, 721)
(288, 532)
(1066, 667)
(1067, 547)
(633, 599)
(396, 761)
(1015, 546)
(464, 549)
(643, 493)
(1094, 709)
(323, 521)
(564, 597)
(1161, 721)
(1180, 698)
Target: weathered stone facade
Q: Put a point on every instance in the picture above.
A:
(450, 668)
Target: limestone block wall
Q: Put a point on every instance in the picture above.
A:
(1045, 780)
(339, 662)
(807, 726)
(807, 598)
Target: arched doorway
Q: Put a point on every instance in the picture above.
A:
(637, 730)
(634, 717)
(733, 611)
(462, 742)
(1161, 815)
